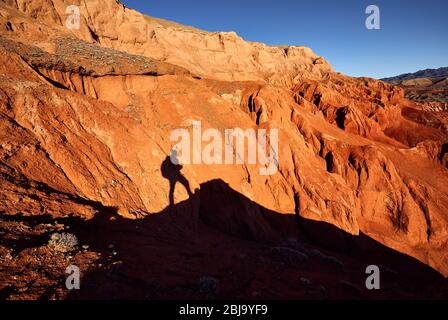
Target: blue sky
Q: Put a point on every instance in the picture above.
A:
(413, 34)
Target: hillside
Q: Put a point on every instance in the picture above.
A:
(429, 87)
(360, 173)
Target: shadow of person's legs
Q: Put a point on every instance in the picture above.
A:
(185, 183)
(171, 195)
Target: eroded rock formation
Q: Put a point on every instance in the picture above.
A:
(86, 117)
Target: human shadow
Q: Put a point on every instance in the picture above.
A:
(171, 170)
(219, 244)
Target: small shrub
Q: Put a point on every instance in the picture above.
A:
(333, 262)
(208, 285)
(63, 242)
(288, 256)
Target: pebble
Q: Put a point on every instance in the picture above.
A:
(305, 281)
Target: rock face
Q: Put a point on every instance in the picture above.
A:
(220, 55)
(86, 118)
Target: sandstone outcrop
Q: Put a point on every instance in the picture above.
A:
(221, 55)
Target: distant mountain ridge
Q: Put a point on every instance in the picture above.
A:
(425, 86)
(427, 73)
